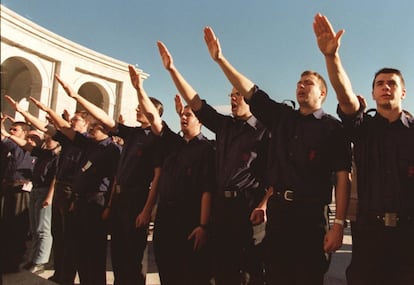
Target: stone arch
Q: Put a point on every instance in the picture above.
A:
(96, 91)
(21, 78)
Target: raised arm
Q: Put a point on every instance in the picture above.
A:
(58, 121)
(183, 87)
(329, 43)
(91, 108)
(145, 103)
(243, 84)
(34, 121)
(179, 107)
(24, 144)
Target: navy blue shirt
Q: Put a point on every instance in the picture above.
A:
(384, 157)
(241, 150)
(45, 167)
(20, 163)
(305, 150)
(69, 157)
(98, 163)
(187, 172)
(138, 157)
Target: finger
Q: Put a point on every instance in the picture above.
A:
(161, 47)
(10, 99)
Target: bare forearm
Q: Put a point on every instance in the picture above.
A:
(342, 191)
(150, 111)
(244, 85)
(36, 122)
(95, 111)
(348, 102)
(153, 192)
(205, 208)
(186, 90)
(24, 144)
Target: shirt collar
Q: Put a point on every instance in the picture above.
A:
(198, 137)
(404, 119)
(318, 114)
(252, 121)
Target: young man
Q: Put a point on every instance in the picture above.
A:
(14, 196)
(185, 186)
(135, 191)
(383, 233)
(40, 206)
(307, 148)
(62, 218)
(241, 150)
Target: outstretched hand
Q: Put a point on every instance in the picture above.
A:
(136, 77)
(179, 107)
(39, 104)
(68, 89)
(328, 41)
(213, 44)
(166, 57)
(14, 104)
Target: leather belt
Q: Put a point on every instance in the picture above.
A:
(287, 195)
(230, 194)
(390, 219)
(16, 183)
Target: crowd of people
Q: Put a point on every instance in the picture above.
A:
(76, 179)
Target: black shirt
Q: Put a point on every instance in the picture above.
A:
(20, 163)
(384, 157)
(241, 150)
(138, 157)
(68, 162)
(187, 172)
(305, 150)
(45, 167)
(98, 163)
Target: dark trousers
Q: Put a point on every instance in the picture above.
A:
(381, 255)
(14, 226)
(235, 257)
(90, 242)
(63, 251)
(177, 262)
(293, 245)
(128, 243)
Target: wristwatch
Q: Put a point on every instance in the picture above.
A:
(339, 222)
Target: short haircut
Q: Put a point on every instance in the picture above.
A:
(389, 70)
(322, 82)
(157, 103)
(25, 127)
(85, 115)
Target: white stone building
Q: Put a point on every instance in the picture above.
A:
(31, 55)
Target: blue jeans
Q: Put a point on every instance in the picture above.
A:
(40, 226)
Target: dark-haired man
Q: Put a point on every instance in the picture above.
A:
(383, 233)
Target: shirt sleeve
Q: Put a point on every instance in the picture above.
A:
(209, 117)
(265, 109)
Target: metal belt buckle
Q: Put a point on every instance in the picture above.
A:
(288, 195)
(390, 219)
(230, 194)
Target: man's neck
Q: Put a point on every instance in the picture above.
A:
(391, 114)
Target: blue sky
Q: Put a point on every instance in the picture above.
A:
(270, 41)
